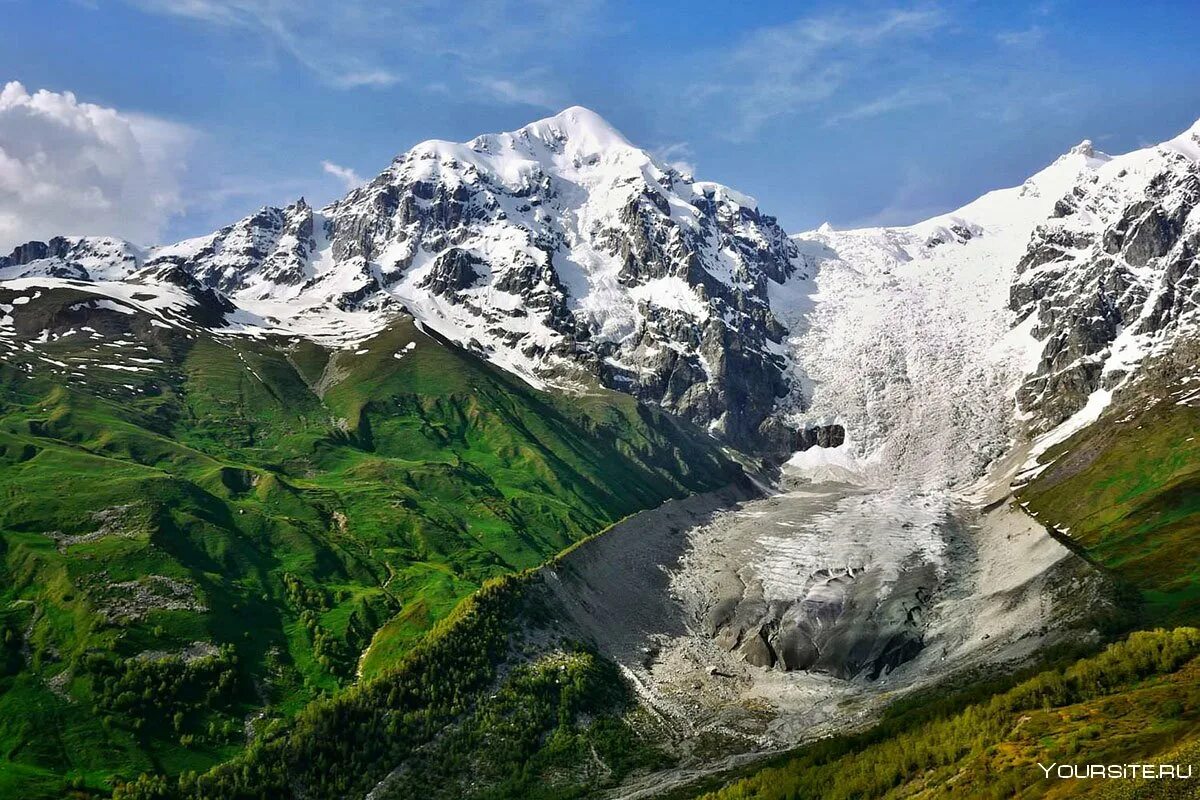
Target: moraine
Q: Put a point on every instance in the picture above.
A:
(770, 620)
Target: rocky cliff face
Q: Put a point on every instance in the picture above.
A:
(558, 251)
(266, 254)
(72, 257)
(1111, 277)
(564, 246)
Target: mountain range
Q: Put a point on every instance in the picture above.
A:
(562, 253)
(295, 444)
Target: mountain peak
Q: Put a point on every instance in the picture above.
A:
(1193, 130)
(580, 125)
(1188, 142)
(1084, 148)
(577, 116)
(576, 120)
(574, 131)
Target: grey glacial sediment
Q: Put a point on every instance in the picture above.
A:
(730, 624)
(835, 580)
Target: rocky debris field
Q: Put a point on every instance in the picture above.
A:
(760, 621)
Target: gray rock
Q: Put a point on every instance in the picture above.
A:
(1084, 293)
(819, 436)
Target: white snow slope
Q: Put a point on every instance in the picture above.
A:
(911, 341)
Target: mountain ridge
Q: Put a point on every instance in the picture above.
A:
(556, 248)
(564, 254)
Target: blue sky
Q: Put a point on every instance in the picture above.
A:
(856, 113)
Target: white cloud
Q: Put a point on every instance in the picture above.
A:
(377, 78)
(350, 178)
(68, 167)
(799, 65)
(1029, 37)
(523, 93)
(677, 155)
(906, 97)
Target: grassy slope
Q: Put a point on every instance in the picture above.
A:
(1128, 493)
(463, 712)
(304, 506)
(1137, 702)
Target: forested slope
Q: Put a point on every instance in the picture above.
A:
(201, 533)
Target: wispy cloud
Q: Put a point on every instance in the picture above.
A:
(917, 196)
(525, 92)
(799, 65)
(219, 11)
(328, 44)
(677, 155)
(903, 98)
(1028, 37)
(377, 78)
(376, 44)
(349, 178)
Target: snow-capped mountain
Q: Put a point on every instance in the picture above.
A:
(556, 250)
(935, 346)
(566, 255)
(1111, 277)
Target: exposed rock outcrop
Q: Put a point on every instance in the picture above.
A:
(1113, 276)
(819, 436)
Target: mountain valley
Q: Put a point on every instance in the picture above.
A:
(534, 467)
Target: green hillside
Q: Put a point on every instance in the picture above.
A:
(201, 534)
(1127, 492)
(463, 712)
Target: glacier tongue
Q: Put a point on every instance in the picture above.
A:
(932, 350)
